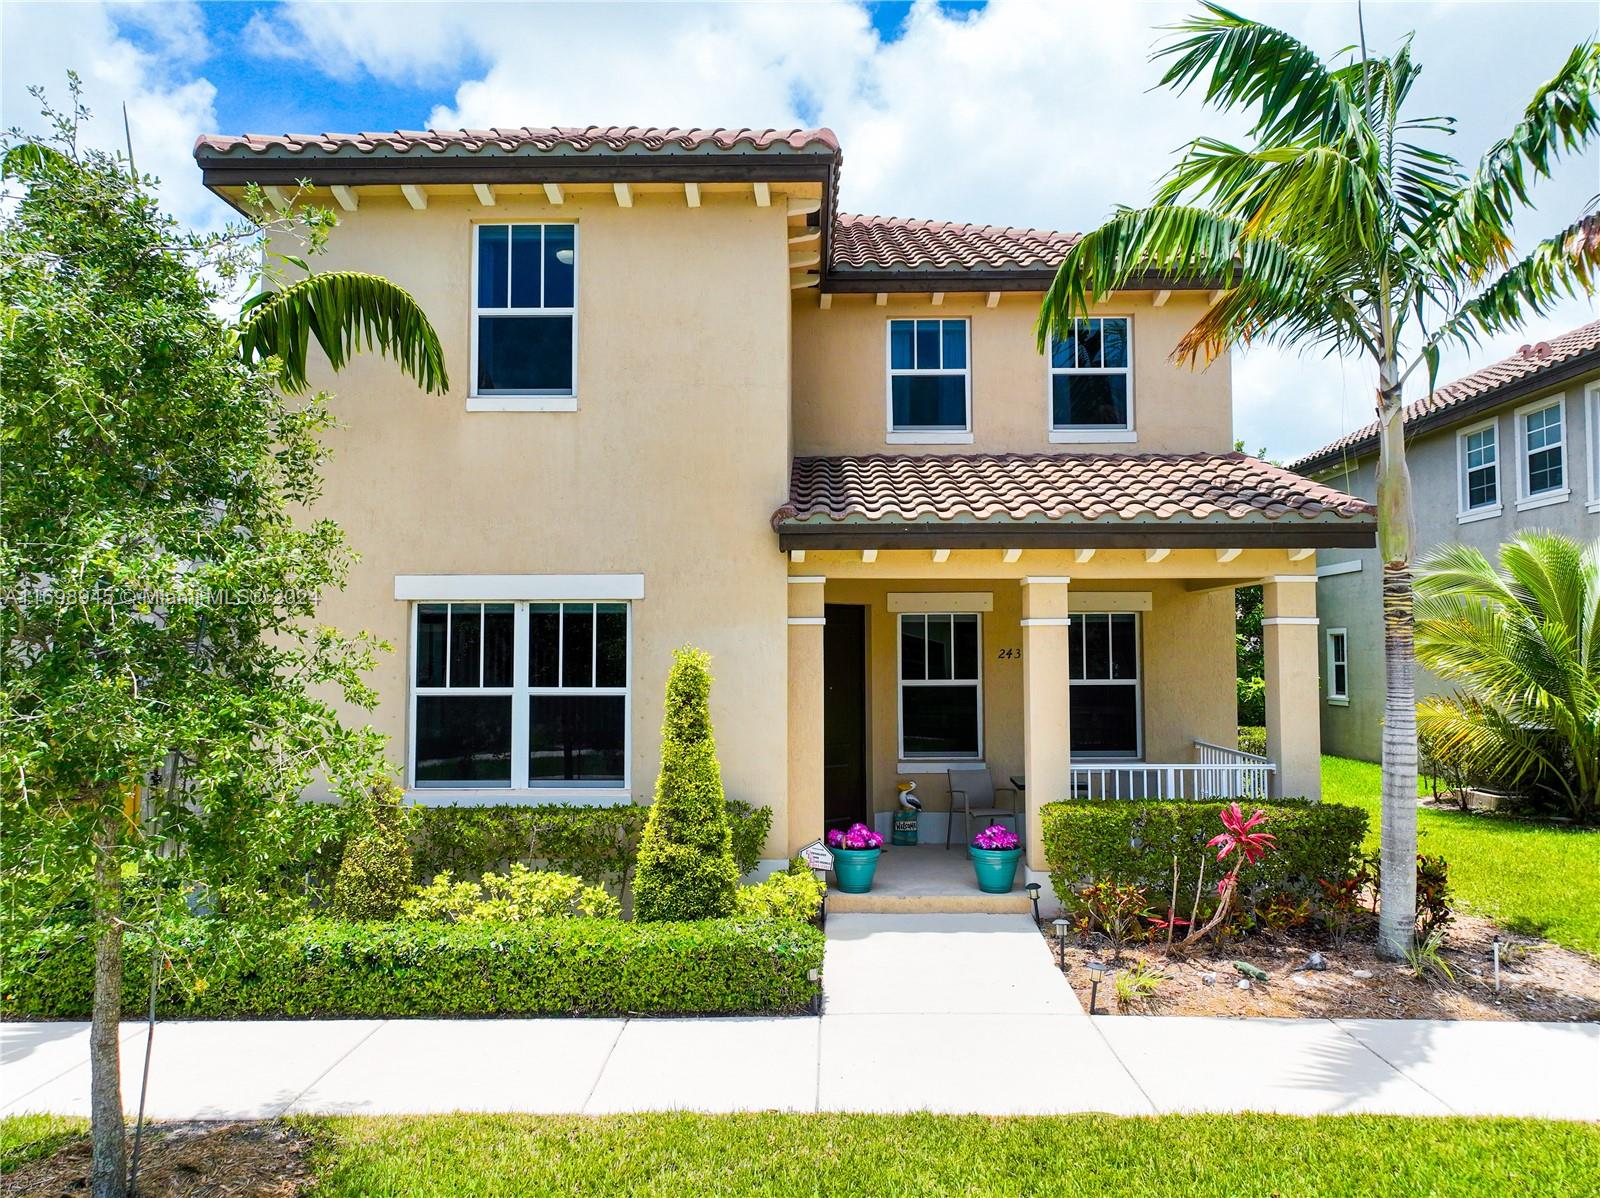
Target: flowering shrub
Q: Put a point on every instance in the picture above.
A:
(996, 837)
(857, 838)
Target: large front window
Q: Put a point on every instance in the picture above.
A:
(1091, 379)
(1104, 692)
(941, 702)
(520, 695)
(928, 378)
(524, 306)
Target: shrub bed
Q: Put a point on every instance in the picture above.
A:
(1133, 842)
(1253, 739)
(323, 968)
(599, 844)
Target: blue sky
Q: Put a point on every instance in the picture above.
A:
(1026, 112)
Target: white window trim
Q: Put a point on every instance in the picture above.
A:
(932, 436)
(1591, 398)
(1338, 698)
(1137, 682)
(1484, 511)
(520, 790)
(498, 401)
(518, 588)
(1084, 434)
(1525, 501)
(910, 763)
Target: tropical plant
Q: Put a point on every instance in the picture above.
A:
(1522, 646)
(1426, 958)
(1114, 909)
(1137, 986)
(686, 868)
(161, 675)
(1345, 227)
(1434, 909)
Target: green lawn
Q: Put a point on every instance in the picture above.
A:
(27, 1137)
(734, 1156)
(1531, 878)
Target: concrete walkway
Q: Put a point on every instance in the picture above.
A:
(922, 1013)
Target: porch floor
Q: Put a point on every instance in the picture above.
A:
(927, 878)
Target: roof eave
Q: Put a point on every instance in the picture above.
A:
(1349, 533)
(1019, 278)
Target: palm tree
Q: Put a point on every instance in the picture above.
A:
(1523, 644)
(1344, 225)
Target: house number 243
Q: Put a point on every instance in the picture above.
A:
(1009, 654)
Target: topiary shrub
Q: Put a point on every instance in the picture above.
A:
(518, 895)
(686, 868)
(374, 875)
(1253, 739)
(1132, 842)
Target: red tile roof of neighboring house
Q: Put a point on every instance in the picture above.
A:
(893, 243)
(593, 138)
(1015, 488)
(1529, 366)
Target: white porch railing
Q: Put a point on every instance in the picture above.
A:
(1217, 772)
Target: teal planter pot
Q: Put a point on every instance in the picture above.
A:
(853, 869)
(997, 868)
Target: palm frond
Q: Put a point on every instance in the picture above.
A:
(1558, 267)
(345, 311)
(1251, 65)
(1475, 227)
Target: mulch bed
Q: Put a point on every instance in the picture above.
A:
(1538, 980)
(185, 1160)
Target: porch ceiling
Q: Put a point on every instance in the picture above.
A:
(986, 501)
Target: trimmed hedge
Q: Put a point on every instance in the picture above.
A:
(1253, 739)
(327, 968)
(598, 844)
(1134, 841)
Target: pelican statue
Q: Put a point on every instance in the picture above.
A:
(908, 796)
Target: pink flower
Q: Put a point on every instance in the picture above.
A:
(859, 837)
(996, 837)
(1254, 845)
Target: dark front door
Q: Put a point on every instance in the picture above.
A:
(844, 715)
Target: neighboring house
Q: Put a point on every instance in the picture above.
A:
(1507, 448)
(695, 404)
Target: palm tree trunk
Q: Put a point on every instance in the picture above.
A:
(108, 1176)
(1397, 873)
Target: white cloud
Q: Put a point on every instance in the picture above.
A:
(167, 104)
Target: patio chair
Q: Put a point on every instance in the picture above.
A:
(972, 792)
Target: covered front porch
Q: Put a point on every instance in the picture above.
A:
(1059, 624)
(1113, 682)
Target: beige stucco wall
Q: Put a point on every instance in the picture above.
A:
(841, 381)
(670, 467)
(1186, 648)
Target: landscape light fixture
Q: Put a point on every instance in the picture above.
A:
(1097, 970)
(1497, 968)
(1061, 926)
(1032, 889)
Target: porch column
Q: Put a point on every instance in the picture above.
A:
(1290, 637)
(1046, 747)
(805, 711)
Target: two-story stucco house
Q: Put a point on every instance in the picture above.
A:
(1507, 448)
(694, 403)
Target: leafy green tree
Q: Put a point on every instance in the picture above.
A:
(1522, 645)
(686, 868)
(160, 669)
(1344, 225)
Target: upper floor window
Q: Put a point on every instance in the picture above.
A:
(1592, 423)
(929, 381)
(524, 304)
(941, 701)
(1541, 429)
(520, 696)
(1091, 382)
(1478, 450)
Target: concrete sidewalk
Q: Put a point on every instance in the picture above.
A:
(922, 1013)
